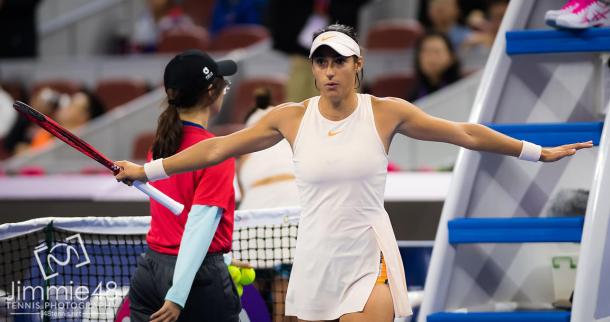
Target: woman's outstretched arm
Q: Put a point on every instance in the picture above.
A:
(260, 136)
(213, 151)
(415, 123)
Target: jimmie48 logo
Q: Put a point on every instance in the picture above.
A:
(71, 251)
(66, 299)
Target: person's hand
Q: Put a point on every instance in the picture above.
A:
(240, 264)
(169, 312)
(130, 172)
(560, 152)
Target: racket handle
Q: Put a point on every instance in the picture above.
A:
(169, 203)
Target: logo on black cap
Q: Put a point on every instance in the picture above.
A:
(184, 72)
(208, 74)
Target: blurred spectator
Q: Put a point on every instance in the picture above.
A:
(235, 12)
(487, 27)
(18, 36)
(19, 137)
(477, 47)
(287, 20)
(8, 115)
(472, 12)
(436, 64)
(162, 16)
(292, 24)
(82, 107)
(476, 20)
(443, 16)
(266, 177)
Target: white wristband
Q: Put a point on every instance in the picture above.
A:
(154, 170)
(530, 152)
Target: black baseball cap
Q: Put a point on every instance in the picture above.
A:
(193, 70)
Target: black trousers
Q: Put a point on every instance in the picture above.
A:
(213, 296)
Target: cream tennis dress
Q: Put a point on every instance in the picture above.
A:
(341, 168)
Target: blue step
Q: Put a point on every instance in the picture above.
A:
(557, 41)
(515, 230)
(553, 134)
(526, 316)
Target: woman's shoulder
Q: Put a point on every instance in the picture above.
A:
(290, 108)
(391, 108)
(280, 115)
(293, 105)
(388, 102)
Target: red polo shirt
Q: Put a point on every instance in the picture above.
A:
(212, 186)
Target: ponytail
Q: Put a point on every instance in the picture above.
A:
(169, 128)
(169, 133)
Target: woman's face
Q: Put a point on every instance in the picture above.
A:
(443, 12)
(76, 113)
(42, 101)
(335, 75)
(434, 57)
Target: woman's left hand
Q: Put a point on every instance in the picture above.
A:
(560, 152)
(169, 312)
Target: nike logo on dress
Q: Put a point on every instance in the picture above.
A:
(333, 133)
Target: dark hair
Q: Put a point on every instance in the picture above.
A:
(491, 3)
(450, 75)
(262, 97)
(262, 100)
(351, 32)
(169, 127)
(95, 106)
(345, 29)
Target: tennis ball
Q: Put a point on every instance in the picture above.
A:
(247, 276)
(240, 289)
(235, 273)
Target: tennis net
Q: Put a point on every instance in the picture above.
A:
(78, 269)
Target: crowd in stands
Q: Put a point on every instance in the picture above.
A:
(69, 103)
(162, 16)
(445, 34)
(436, 64)
(70, 111)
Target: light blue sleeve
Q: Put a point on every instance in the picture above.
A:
(198, 233)
(227, 258)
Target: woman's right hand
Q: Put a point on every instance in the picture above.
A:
(130, 172)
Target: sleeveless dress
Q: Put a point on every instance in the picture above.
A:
(341, 169)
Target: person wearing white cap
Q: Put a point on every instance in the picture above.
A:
(340, 142)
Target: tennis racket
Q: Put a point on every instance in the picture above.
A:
(85, 148)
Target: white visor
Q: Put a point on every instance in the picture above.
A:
(338, 41)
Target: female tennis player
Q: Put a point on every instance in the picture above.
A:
(183, 275)
(340, 141)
